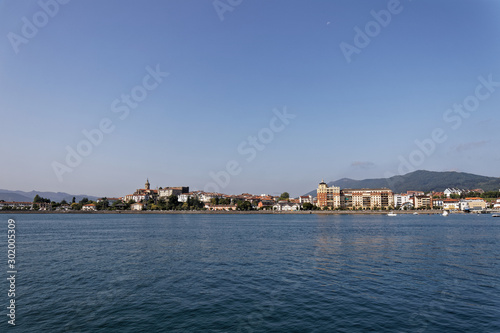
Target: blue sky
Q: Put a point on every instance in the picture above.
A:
(227, 79)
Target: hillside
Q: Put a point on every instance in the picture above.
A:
(8, 195)
(423, 181)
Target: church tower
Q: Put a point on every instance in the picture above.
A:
(147, 184)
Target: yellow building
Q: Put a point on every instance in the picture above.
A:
(422, 201)
(333, 197)
(366, 198)
(476, 203)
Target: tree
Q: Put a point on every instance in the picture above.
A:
(244, 205)
(195, 203)
(161, 204)
(39, 199)
(172, 202)
(76, 206)
(84, 201)
(284, 196)
(103, 205)
(225, 201)
(74, 200)
(64, 202)
(307, 206)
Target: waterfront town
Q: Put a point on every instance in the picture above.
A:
(328, 198)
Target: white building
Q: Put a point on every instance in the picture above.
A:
(206, 196)
(137, 206)
(286, 206)
(226, 208)
(449, 191)
(306, 199)
(437, 202)
(401, 199)
(89, 208)
(451, 204)
(16, 204)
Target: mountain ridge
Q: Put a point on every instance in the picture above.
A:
(9, 195)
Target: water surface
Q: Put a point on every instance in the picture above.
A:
(257, 273)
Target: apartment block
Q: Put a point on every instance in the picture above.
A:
(328, 196)
(333, 197)
(366, 198)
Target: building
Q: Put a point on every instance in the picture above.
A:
(334, 198)
(89, 208)
(285, 206)
(475, 203)
(264, 204)
(381, 198)
(401, 199)
(328, 196)
(110, 200)
(438, 195)
(422, 201)
(168, 191)
(306, 199)
(449, 191)
(137, 206)
(226, 208)
(142, 194)
(437, 202)
(496, 205)
(16, 205)
(451, 204)
(207, 197)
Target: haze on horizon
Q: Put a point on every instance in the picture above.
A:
(249, 96)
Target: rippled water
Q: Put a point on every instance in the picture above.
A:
(256, 273)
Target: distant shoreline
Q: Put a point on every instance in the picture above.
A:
(301, 212)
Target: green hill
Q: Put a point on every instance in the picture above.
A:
(422, 180)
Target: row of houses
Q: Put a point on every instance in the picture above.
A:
(24, 205)
(327, 198)
(263, 201)
(383, 198)
(280, 206)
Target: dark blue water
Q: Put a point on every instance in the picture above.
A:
(255, 273)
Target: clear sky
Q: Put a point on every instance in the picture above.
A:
(279, 93)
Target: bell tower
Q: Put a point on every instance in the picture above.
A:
(147, 185)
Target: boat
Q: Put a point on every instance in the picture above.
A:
(495, 215)
(445, 213)
(392, 214)
(415, 213)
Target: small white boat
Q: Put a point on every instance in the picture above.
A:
(445, 213)
(392, 214)
(495, 215)
(415, 213)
